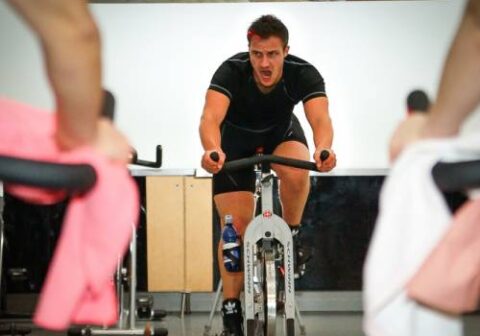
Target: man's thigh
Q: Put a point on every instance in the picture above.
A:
(294, 150)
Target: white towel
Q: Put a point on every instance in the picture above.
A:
(413, 217)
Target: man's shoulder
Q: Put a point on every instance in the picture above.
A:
(296, 68)
(232, 71)
(238, 64)
(296, 62)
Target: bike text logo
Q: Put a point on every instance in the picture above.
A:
(248, 265)
(289, 267)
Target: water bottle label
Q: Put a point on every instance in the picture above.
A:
(227, 246)
(231, 246)
(231, 260)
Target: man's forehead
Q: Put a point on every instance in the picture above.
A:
(266, 44)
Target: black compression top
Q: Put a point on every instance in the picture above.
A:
(250, 108)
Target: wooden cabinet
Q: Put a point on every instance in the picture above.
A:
(179, 234)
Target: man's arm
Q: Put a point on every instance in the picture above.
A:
(214, 111)
(316, 111)
(459, 91)
(71, 45)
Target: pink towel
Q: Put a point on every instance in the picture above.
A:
(449, 279)
(97, 225)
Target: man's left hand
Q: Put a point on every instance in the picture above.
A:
(327, 164)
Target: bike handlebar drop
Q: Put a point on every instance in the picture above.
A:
(70, 177)
(457, 176)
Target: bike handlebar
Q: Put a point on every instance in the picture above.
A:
(56, 176)
(250, 161)
(457, 176)
(69, 177)
(49, 175)
(152, 164)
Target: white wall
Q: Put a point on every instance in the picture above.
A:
(159, 58)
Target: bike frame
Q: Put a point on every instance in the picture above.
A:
(264, 234)
(261, 233)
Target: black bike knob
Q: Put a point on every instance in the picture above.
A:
(324, 155)
(214, 156)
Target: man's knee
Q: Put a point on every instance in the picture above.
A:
(241, 222)
(296, 181)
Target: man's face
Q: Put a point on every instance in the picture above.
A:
(267, 56)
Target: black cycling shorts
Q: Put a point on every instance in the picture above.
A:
(238, 142)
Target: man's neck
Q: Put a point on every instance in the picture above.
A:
(266, 89)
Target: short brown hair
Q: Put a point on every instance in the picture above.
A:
(266, 26)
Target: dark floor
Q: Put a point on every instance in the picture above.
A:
(316, 324)
(194, 325)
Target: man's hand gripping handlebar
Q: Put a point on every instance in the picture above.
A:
(210, 164)
(256, 159)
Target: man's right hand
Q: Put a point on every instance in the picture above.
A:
(209, 164)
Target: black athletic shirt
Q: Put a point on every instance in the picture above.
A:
(250, 108)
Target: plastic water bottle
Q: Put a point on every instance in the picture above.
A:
(231, 246)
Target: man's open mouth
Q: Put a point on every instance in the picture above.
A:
(266, 74)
